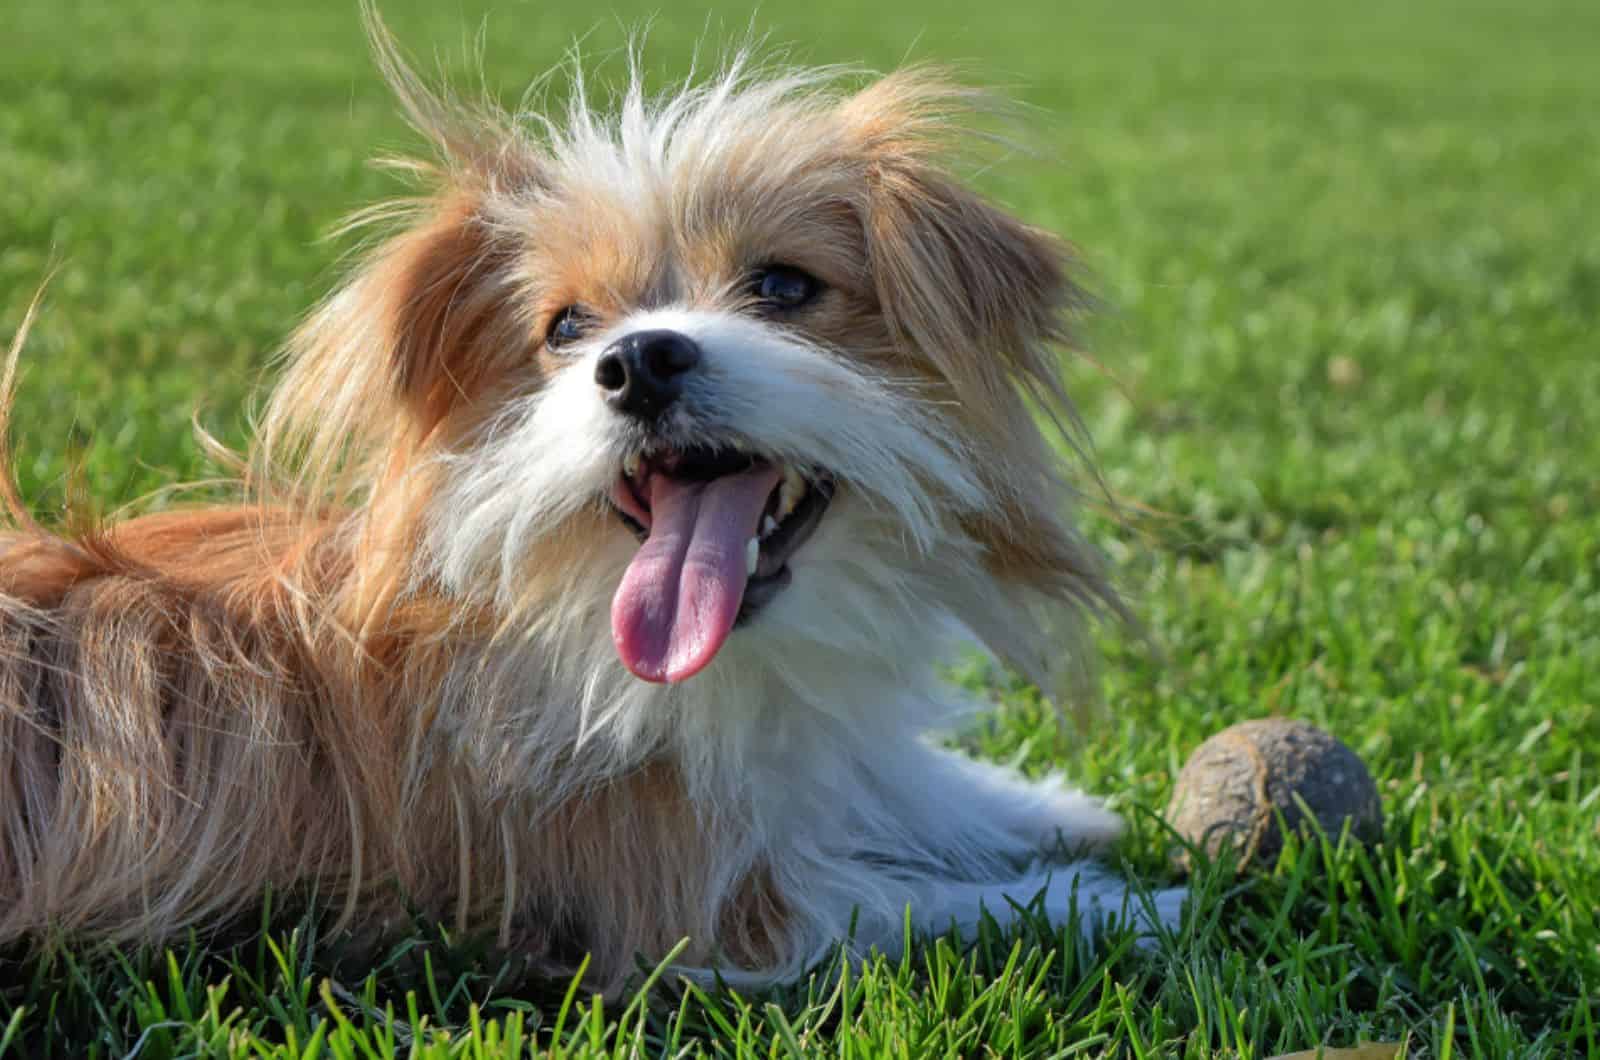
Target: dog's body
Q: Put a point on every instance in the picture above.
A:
(754, 327)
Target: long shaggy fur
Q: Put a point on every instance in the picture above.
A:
(388, 674)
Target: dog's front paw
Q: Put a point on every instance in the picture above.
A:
(1105, 903)
(1061, 817)
(1161, 912)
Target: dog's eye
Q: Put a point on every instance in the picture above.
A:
(784, 286)
(568, 325)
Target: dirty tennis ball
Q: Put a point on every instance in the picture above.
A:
(1236, 784)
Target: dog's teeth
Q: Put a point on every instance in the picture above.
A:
(789, 494)
(752, 555)
(768, 525)
(630, 465)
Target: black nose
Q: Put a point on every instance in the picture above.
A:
(642, 374)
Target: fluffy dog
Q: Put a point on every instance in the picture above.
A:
(594, 553)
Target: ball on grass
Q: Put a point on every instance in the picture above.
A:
(1231, 791)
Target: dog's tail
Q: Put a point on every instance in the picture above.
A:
(15, 511)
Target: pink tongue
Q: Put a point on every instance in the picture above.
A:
(680, 596)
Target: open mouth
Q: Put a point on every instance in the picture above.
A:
(717, 529)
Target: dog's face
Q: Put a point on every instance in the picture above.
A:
(744, 358)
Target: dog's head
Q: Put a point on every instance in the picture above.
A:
(741, 363)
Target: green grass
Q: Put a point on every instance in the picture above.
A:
(1348, 396)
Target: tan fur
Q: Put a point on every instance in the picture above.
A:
(196, 705)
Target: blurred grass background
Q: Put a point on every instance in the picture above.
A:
(1347, 393)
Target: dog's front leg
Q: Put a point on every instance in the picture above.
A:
(970, 838)
(1099, 897)
(955, 807)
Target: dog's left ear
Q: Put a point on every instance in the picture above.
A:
(983, 300)
(978, 293)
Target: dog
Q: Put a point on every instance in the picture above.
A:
(591, 561)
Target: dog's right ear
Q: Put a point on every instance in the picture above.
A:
(428, 315)
(421, 324)
(440, 297)
(440, 290)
